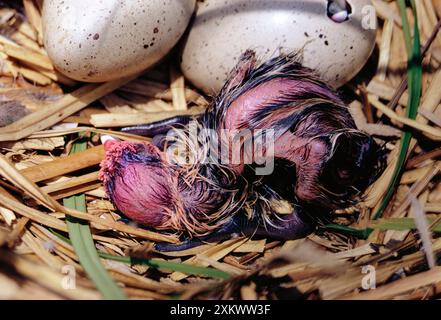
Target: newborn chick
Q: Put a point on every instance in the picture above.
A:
(321, 161)
(152, 189)
(334, 161)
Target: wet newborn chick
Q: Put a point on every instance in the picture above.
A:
(321, 161)
(313, 129)
(150, 187)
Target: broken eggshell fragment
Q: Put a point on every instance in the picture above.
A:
(335, 41)
(98, 41)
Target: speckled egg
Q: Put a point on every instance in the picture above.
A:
(101, 40)
(334, 42)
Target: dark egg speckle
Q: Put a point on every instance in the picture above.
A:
(108, 40)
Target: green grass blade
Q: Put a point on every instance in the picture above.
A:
(401, 224)
(181, 267)
(82, 241)
(414, 74)
(406, 26)
(156, 263)
(357, 233)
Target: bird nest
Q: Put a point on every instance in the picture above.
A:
(56, 221)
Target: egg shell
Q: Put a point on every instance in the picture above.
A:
(223, 29)
(102, 40)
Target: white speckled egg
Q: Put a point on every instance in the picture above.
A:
(336, 46)
(101, 40)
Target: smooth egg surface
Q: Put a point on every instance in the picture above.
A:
(102, 40)
(223, 29)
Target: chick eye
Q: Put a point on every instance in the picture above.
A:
(346, 176)
(343, 174)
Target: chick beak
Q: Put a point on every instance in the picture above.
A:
(109, 142)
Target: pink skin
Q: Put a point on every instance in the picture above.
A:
(138, 189)
(240, 110)
(136, 199)
(304, 152)
(149, 190)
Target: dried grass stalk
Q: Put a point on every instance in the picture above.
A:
(122, 120)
